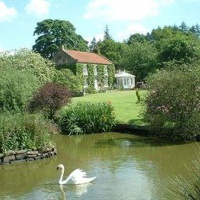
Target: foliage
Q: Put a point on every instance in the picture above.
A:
(93, 45)
(23, 132)
(26, 60)
(111, 75)
(107, 35)
(173, 102)
(136, 38)
(84, 118)
(76, 82)
(188, 189)
(90, 90)
(90, 78)
(112, 50)
(140, 59)
(49, 98)
(79, 74)
(100, 72)
(179, 47)
(16, 89)
(52, 34)
(67, 78)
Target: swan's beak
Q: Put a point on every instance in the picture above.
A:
(57, 168)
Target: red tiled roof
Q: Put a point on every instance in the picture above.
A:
(87, 57)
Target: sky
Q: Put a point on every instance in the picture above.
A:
(18, 18)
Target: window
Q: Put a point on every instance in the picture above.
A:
(95, 70)
(85, 82)
(85, 72)
(105, 70)
(106, 81)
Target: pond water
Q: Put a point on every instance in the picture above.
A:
(127, 167)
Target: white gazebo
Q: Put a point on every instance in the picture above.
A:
(125, 80)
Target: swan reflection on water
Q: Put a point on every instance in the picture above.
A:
(79, 190)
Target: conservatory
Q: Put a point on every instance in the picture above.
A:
(125, 80)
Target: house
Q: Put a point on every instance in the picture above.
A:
(125, 80)
(92, 64)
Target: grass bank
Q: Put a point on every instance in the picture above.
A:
(127, 107)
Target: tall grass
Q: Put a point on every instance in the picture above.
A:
(23, 131)
(188, 189)
(87, 117)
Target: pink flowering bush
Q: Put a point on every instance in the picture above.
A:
(173, 102)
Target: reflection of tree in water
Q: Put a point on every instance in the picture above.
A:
(133, 142)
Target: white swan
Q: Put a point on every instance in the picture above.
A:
(78, 176)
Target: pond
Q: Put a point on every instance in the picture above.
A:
(126, 166)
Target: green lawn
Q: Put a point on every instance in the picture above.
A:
(125, 103)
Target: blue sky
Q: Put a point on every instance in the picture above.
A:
(18, 18)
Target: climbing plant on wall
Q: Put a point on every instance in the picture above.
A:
(100, 72)
(90, 69)
(111, 75)
(77, 69)
(79, 72)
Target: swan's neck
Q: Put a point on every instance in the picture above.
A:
(61, 175)
(61, 181)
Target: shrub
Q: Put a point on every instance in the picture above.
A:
(23, 132)
(90, 90)
(25, 60)
(173, 102)
(67, 78)
(86, 117)
(49, 98)
(16, 89)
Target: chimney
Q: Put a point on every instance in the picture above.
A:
(62, 47)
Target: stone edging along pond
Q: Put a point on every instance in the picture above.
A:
(11, 157)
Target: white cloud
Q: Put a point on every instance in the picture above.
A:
(1, 49)
(120, 10)
(132, 29)
(6, 13)
(38, 7)
(98, 37)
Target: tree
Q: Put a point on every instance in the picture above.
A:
(93, 45)
(52, 34)
(136, 38)
(140, 59)
(179, 47)
(184, 27)
(107, 35)
(112, 50)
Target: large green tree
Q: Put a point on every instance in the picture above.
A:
(140, 59)
(52, 34)
(179, 47)
(112, 50)
(137, 37)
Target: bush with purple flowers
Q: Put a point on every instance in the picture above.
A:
(173, 102)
